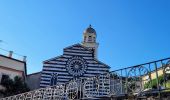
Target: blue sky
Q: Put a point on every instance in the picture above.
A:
(129, 32)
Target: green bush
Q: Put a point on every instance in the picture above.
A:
(153, 83)
(13, 87)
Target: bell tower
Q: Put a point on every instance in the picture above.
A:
(89, 40)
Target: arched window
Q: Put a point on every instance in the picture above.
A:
(53, 79)
(90, 39)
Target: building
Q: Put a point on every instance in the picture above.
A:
(77, 61)
(33, 80)
(12, 67)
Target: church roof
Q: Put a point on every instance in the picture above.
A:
(90, 30)
(79, 45)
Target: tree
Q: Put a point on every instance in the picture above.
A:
(153, 83)
(13, 87)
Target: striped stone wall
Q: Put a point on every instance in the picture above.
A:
(59, 66)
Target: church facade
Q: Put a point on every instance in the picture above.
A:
(78, 61)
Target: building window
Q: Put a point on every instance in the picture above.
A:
(53, 79)
(90, 39)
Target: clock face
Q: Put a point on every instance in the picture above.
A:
(76, 66)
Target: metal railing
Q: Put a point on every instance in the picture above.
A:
(12, 54)
(142, 80)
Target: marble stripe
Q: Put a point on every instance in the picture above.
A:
(78, 48)
(54, 68)
(97, 68)
(91, 61)
(57, 62)
(61, 59)
(47, 82)
(51, 72)
(45, 78)
(99, 65)
(67, 56)
(59, 77)
(58, 80)
(54, 65)
(77, 51)
(88, 58)
(78, 54)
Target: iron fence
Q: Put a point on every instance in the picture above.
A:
(142, 80)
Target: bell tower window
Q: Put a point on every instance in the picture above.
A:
(90, 39)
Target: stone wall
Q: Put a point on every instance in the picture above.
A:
(33, 80)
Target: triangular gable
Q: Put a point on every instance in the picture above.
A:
(52, 59)
(78, 45)
(69, 47)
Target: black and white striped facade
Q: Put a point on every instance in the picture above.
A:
(56, 70)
